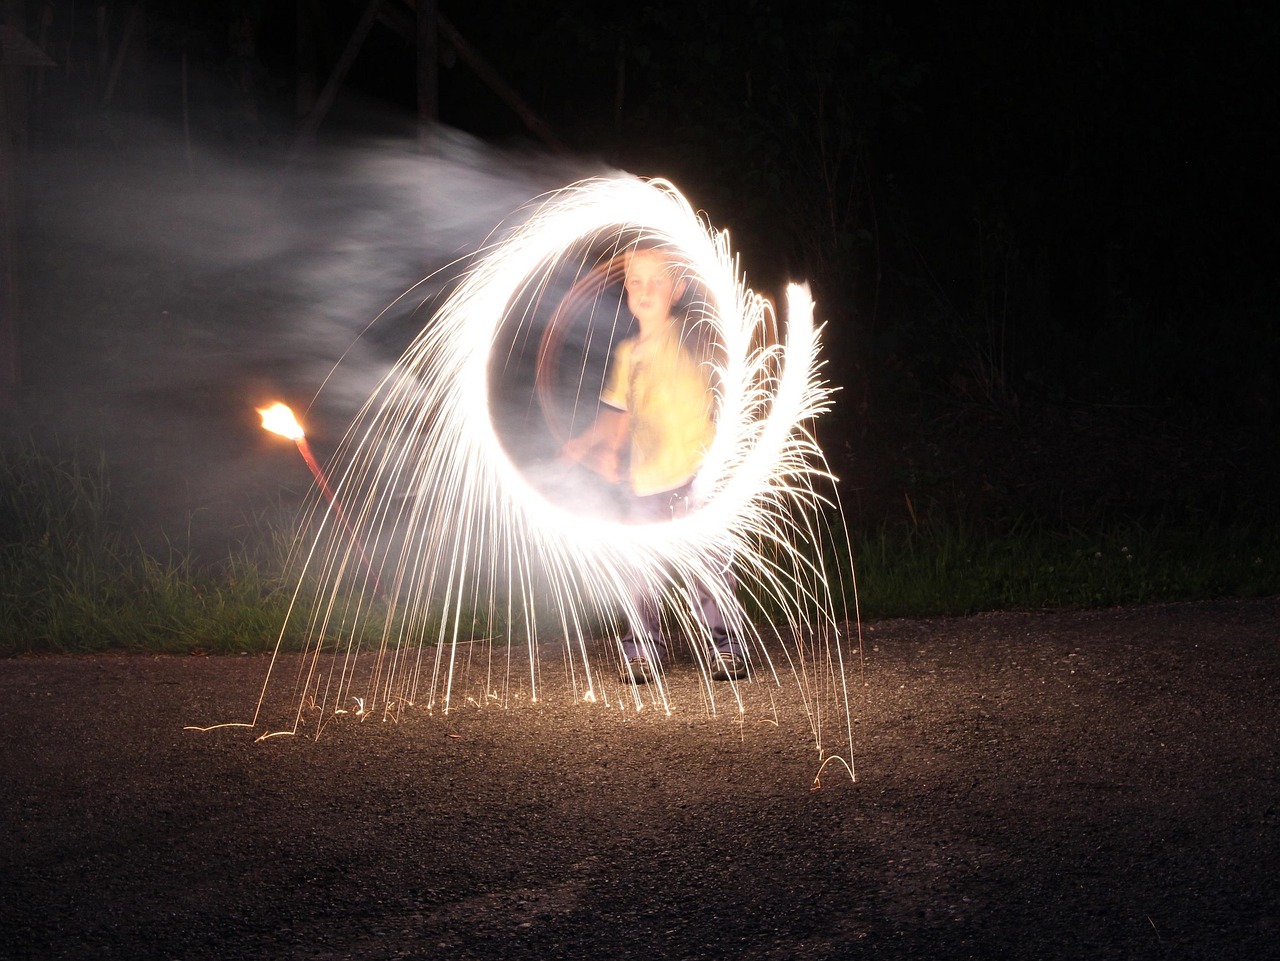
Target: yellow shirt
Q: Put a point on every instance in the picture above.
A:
(667, 396)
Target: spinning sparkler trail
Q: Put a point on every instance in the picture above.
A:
(452, 494)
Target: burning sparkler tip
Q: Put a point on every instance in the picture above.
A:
(279, 419)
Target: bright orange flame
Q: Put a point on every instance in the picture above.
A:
(279, 419)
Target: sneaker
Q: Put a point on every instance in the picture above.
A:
(638, 670)
(728, 666)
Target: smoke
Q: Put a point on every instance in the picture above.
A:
(167, 294)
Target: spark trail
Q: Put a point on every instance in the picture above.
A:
(453, 493)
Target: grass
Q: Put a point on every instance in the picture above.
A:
(952, 569)
(72, 580)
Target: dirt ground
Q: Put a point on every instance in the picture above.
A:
(1040, 785)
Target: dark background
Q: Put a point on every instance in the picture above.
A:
(1042, 235)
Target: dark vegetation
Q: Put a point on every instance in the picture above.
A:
(1040, 240)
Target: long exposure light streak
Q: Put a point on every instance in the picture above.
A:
(483, 539)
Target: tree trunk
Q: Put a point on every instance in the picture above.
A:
(13, 102)
(428, 69)
(305, 53)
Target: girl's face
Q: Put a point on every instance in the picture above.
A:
(652, 288)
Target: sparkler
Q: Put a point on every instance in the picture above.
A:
(279, 419)
(449, 499)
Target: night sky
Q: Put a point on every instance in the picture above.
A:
(1039, 204)
(1096, 174)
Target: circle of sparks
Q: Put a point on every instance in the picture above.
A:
(437, 539)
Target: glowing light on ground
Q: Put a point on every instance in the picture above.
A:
(465, 550)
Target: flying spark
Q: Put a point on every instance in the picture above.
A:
(455, 497)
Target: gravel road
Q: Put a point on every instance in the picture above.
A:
(1054, 785)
